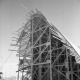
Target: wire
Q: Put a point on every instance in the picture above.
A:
(7, 59)
(23, 6)
(12, 51)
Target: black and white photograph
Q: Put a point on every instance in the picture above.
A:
(39, 39)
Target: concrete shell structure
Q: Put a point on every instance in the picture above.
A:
(44, 53)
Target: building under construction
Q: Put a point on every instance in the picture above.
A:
(44, 53)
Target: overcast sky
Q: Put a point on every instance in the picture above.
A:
(63, 14)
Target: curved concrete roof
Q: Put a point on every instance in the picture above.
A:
(75, 49)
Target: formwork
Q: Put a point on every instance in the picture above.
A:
(44, 53)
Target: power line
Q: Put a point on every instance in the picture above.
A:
(12, 51)
(7, 59)
(23, 6)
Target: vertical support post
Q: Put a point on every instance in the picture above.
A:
(40, 59)
(71, 67)
(1, 75)
(19, 61)
(50, 55)
(67, 65)
(22, 74)
(18, 67)
(58, 60)
(32, 49)
(18, 76)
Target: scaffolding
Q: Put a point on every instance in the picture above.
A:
(44, 53)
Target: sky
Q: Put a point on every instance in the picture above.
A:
(63, 14)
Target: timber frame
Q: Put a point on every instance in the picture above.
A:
(44, 53)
